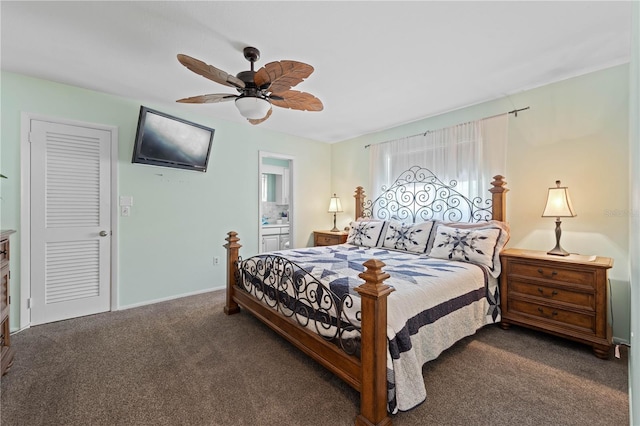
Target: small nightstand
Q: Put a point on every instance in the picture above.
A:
(562, 295)
(6, 350)
(329, 238)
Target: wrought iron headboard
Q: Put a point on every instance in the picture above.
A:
(418, 195)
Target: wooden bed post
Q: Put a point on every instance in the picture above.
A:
(373, 389)
(359, 201)
(232, 246)
(499, 199)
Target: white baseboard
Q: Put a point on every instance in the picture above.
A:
(164, 299)
(148, 302)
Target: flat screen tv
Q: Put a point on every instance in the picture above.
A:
(164, 140)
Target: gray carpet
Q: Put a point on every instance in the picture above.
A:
(184, 362)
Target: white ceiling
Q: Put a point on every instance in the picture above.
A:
(377, 64)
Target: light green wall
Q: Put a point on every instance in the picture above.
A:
(576, 131)
(179, 218)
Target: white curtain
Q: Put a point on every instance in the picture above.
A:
(470, 153)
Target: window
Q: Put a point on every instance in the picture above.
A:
(469, 153)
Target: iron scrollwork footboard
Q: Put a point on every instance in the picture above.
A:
(290, 290)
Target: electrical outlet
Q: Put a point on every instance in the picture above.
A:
(216, 260)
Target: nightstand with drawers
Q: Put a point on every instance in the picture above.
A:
(6, 350)
(329, 238)
(562, 295)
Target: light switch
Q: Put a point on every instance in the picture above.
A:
(126, 200)
(125, 211)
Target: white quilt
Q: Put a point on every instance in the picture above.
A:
(435, 304)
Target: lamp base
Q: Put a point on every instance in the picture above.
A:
(558, 251)
(335, 228)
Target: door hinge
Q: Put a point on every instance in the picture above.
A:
(29, 303)
(29, 137)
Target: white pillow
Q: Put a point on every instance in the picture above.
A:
(366, 233)
(480, 245)
(412, 237)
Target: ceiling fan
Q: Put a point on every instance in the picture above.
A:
(258, 90)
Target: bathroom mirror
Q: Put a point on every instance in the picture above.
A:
(275, 185)
(268, 187)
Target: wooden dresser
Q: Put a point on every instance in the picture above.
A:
(329, 238)
(563, 295)
(6, 351)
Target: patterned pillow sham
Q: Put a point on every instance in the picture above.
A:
(367, 233)
(504, 237)
(480, 245)
(410, 237)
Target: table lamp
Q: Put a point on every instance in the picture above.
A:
(335, 207)
(558, 205)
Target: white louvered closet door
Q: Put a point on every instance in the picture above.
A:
(70, 221)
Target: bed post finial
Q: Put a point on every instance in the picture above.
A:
(373, 353)
(499, 198)
(233, 248)
(359, 201)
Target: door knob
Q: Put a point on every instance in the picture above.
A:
(103, 233)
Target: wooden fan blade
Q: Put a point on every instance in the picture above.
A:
(294, 99)
(208, 99)
(260, 120)
(280, 76)
(210, 72)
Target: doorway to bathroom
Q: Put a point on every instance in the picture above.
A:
(275, 202)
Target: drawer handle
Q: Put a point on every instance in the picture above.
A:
(553, 313)
(553, 273)
(3, 252)
(553, 292)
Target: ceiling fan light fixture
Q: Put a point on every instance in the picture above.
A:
(258, 90)
(252, 107)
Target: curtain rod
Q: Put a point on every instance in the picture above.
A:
(514, 112)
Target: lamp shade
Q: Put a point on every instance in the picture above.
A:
(252, 107)
(334, 205)
(558, 202)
